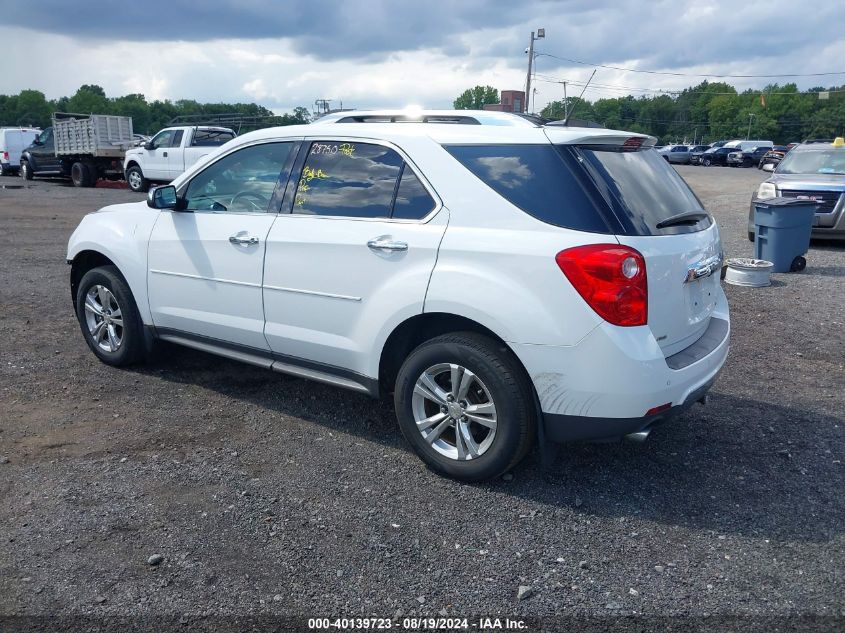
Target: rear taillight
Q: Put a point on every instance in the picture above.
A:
(5, 155)
(611, 279)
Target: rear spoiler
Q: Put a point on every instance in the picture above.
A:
(624, 140)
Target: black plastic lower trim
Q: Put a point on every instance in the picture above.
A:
(371, 384)
(577, 428)
(713, 336)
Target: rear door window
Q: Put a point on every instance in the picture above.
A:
(413, 202)
(538, 179)
(348, 179)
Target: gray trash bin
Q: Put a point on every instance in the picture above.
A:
(782, 232)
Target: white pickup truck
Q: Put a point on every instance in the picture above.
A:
(170, 152)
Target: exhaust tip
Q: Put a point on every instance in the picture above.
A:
(639, 437)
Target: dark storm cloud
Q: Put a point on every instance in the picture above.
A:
(323, 28)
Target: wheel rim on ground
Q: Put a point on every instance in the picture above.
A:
(104, 318)
(454, 411)
(134, 179)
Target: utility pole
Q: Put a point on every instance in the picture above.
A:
(565, 102)
(541, 33)
(750, 118)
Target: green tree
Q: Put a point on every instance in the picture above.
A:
(476, 98)
(89, 100)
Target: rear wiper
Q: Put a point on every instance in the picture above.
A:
(690, 217)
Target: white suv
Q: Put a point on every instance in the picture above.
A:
(506, 281)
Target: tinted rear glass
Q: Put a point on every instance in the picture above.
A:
(643, 189)
(539, 180)
(596, 189)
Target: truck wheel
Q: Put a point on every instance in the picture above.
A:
(135, 179)
(26, 170)
(93, 174)
(80, 174)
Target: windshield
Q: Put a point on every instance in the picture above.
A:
(830, 161)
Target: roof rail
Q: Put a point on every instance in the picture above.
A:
(405, 118)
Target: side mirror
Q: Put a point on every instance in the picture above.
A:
(35, 141)
(768, 167)
(163, 198)
(149, 145)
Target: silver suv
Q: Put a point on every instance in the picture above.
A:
(811, 171)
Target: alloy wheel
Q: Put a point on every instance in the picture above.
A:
(104, 318)
(454, 411)
(134, 179)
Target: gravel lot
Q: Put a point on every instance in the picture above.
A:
(268, 496)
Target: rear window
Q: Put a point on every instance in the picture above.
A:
(211, 138)
(642, 189)
(538, 179)
(598, 189)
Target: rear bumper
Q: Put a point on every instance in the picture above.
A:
(604, 386)
(573, 428)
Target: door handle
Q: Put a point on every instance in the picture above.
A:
(243, 240)
(387, 244)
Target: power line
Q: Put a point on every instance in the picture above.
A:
(550, 79)
(676, 74)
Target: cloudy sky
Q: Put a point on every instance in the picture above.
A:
(372, 53)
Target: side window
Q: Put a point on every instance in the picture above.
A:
(240, 182)
(162, 139)
(46, 136)
(177, 138)
(356, 180)
(413, 202)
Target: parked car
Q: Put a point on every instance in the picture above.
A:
(810, 171)
(748, 157)
(139, 140)
(473, 272)
(716, 156)
(171, 152)
(13, 140)
(747, 145)
(696, 152)
(676, 153)
(717, 144)
(775, 155)
(81, 147)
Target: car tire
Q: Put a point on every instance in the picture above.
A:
(116, 340)
(135, 179)
(706, 162)
(495, 385)
(750, 236)
(26, 170)
(5, 171)
(80, 175)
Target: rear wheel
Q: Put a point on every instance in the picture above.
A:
(26, 170)
(109, 318)
(135, 179)
(80, 174)
(5, 170)
(465, 406)
(705, 162)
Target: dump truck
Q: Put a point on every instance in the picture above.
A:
(82, 147)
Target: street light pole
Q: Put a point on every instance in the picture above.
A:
(750, 118)
(541, 33)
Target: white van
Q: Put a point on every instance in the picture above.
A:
(747, 146)
(13, 140)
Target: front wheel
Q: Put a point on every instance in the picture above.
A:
(465, 405)
(135, 179)
(26, 170)
(109, 318)
(706, 162)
